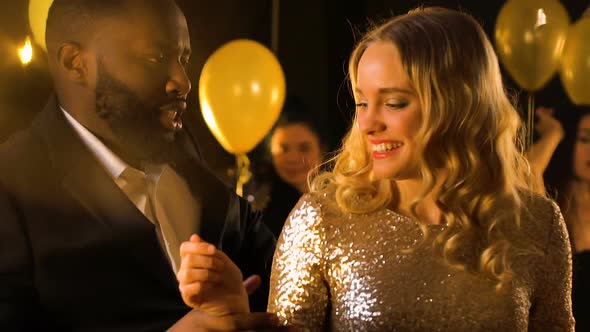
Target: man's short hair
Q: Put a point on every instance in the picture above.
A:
(75, 20)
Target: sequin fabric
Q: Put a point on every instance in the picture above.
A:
(334, 271)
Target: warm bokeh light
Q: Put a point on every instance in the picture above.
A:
(25, 53)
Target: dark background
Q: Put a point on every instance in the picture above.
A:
(315, 38)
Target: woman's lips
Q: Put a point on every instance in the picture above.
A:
(382, 149)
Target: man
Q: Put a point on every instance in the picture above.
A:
(97, 195)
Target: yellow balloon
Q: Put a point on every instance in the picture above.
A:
(38, 10)
(241, 92)
(530, 35)
(575, 64)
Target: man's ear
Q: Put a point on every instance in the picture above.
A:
(72, 63)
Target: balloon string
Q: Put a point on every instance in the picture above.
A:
(530, 124)
(243, 172)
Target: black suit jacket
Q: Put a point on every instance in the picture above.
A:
(77, 255)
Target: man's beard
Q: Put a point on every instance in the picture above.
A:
(136, 126)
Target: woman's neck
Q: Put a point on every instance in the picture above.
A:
(578, 217)
(581, 191)
(581, 196)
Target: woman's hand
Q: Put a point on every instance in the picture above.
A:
(547, 126)
(540, 153)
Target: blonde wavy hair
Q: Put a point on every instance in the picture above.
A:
(470, 131)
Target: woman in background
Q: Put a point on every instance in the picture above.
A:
(568, 179)
(296, 149)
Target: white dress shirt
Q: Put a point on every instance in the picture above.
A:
(166, 201)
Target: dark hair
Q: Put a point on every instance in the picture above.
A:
(560, 171)
(76, 20)
(295, 111)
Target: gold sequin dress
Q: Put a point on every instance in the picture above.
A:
(334, 271)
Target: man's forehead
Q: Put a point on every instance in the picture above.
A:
(167, 29)
(148, 13)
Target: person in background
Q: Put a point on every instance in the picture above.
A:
(539, 154)
(562, 157)
(428, 220)
(296, 148)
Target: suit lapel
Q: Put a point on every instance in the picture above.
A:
(89, 184)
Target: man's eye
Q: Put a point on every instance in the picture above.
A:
(159, 58)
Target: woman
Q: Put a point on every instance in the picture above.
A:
(425, 222)
(568, 176)
(568, 179)
(296, 149)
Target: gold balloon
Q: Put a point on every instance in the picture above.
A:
(38, 10)
(530, 36)
(241, 92)
(575, 64)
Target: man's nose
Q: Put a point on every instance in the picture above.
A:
(178, 82)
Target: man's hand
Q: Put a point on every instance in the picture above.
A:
(198, 321)
(210, 282)
(252, 284)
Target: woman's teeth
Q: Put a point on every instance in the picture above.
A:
(385, 147)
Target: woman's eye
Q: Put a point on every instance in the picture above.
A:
(396, 105)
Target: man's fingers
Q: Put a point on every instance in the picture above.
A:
(195, 238)
(245, 322)
(192, 261)
(196, 248)
(197, 320)
(192, 294)
(197, 293)
(283, 329)
(188, 276)
(252, 283)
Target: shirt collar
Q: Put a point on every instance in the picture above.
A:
(107, 158)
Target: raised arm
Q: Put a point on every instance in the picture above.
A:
(540, 153)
